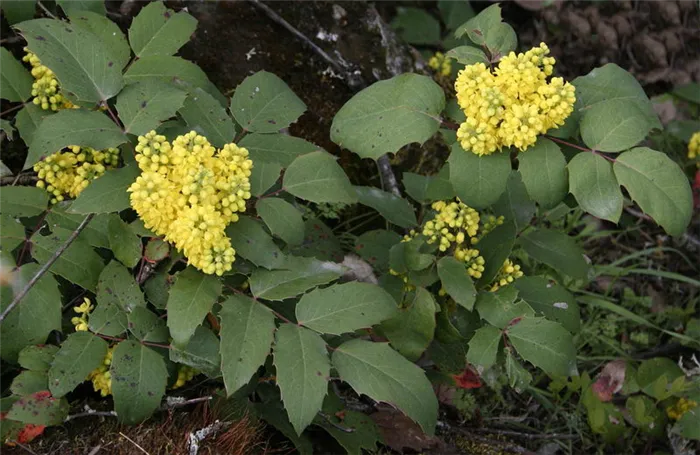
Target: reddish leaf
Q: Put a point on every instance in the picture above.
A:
(610, 380)
(468, 379)
(29, 432)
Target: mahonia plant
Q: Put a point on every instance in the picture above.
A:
(181, 219)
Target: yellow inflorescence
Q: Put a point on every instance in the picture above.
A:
(45, 89)
(189, 192)
(81, 322)
(682, 406)
(67, 173)
(508, 273)
(101, 377)
(440, 64)
(511, 106)
(184, 374)
(694, 147)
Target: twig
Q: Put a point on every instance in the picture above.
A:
(690, 239)
(335, 425)
(174, 403)
(528, 436)
(46, 266)
(21, 179)
(132, 441)
(91, 413)
(11, 40)
(388, 176)
(12, 109)
(22, 446)
(95, 449)
(578, 147)
(269, 12)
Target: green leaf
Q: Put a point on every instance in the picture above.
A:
(81, 353)
(11, 233)
(608, 83)
(317, 177)
(416, 26)
(454, 13)
(108, 319)
(689, 425)
(143, 106)
(107, 193)
(81, 61)
(23, 201)
(303, 368)
(33, 319)
(518, 377)
(79, 264)
(37, 358)
(377, 371)
(514, 204)
(116, 286)
(478, 180)
(545, 344)
(658, 186)
(387, 115)
(426, 189)
(303, 275)
(395, 209)
(247, 331)
(145, 325)
(203, 113)
(614, 125)
(499, 308)
(273, 414)
(654, 377)
(456, 282)
(39, 408)
(263, 176)
(28, 382)
(191, 298)
(486, 29)
(156, 250)
(406, 256)
(139, 377)
(95, 233)
(73, 127)
(157, 288)
(279, 149)
(468, 55)
(263, 103)
(495, 247)
(160, 31)
(70, 7)
(201, 353)
(364, 433)
(251, 242)
(543, 169)
(595, 187)
(374, 246)
(175, 70)
(557, 250)
(550, 300)
(107, 31)
(345, 308)
(15, 80)
(412, 330)
(28, 120)
(319, 242)
(282, 218)
(18, 11)
(125, 245)
(483, 348)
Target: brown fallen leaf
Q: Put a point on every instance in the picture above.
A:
(400, 432)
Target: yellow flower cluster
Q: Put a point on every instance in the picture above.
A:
(189, 192)
(511, 106)
(508, 273)
(682, 406)
(67, 173)
(81, 322)
(455, 225)
(440, 64)
(489, 223)
(694, 147)
(101, 377)
(45, 89)
(184, 374)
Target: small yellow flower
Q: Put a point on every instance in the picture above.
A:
(681, 406)
(508, 273)
(184, 375)
(45, 89)
(511, 106)
(84, 307)
(694, 147)
(101, 377)
(440, 64)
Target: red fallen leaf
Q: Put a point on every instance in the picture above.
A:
(610, 380)
(29, 432)
(468, 379)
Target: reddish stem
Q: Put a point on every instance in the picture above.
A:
(236, 291)
(578, 147)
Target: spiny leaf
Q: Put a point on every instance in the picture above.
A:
(478, 180)
(317, 177)
(595, 187)
(545, 344)
(23, 201)
(160, 31)
(107, 193)
(81, 353)
(15, 80)
(191, 298)
(203, 114)
(395, 209)
(143, 106)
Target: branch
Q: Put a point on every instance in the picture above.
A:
(46, 266)
(19, 179)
